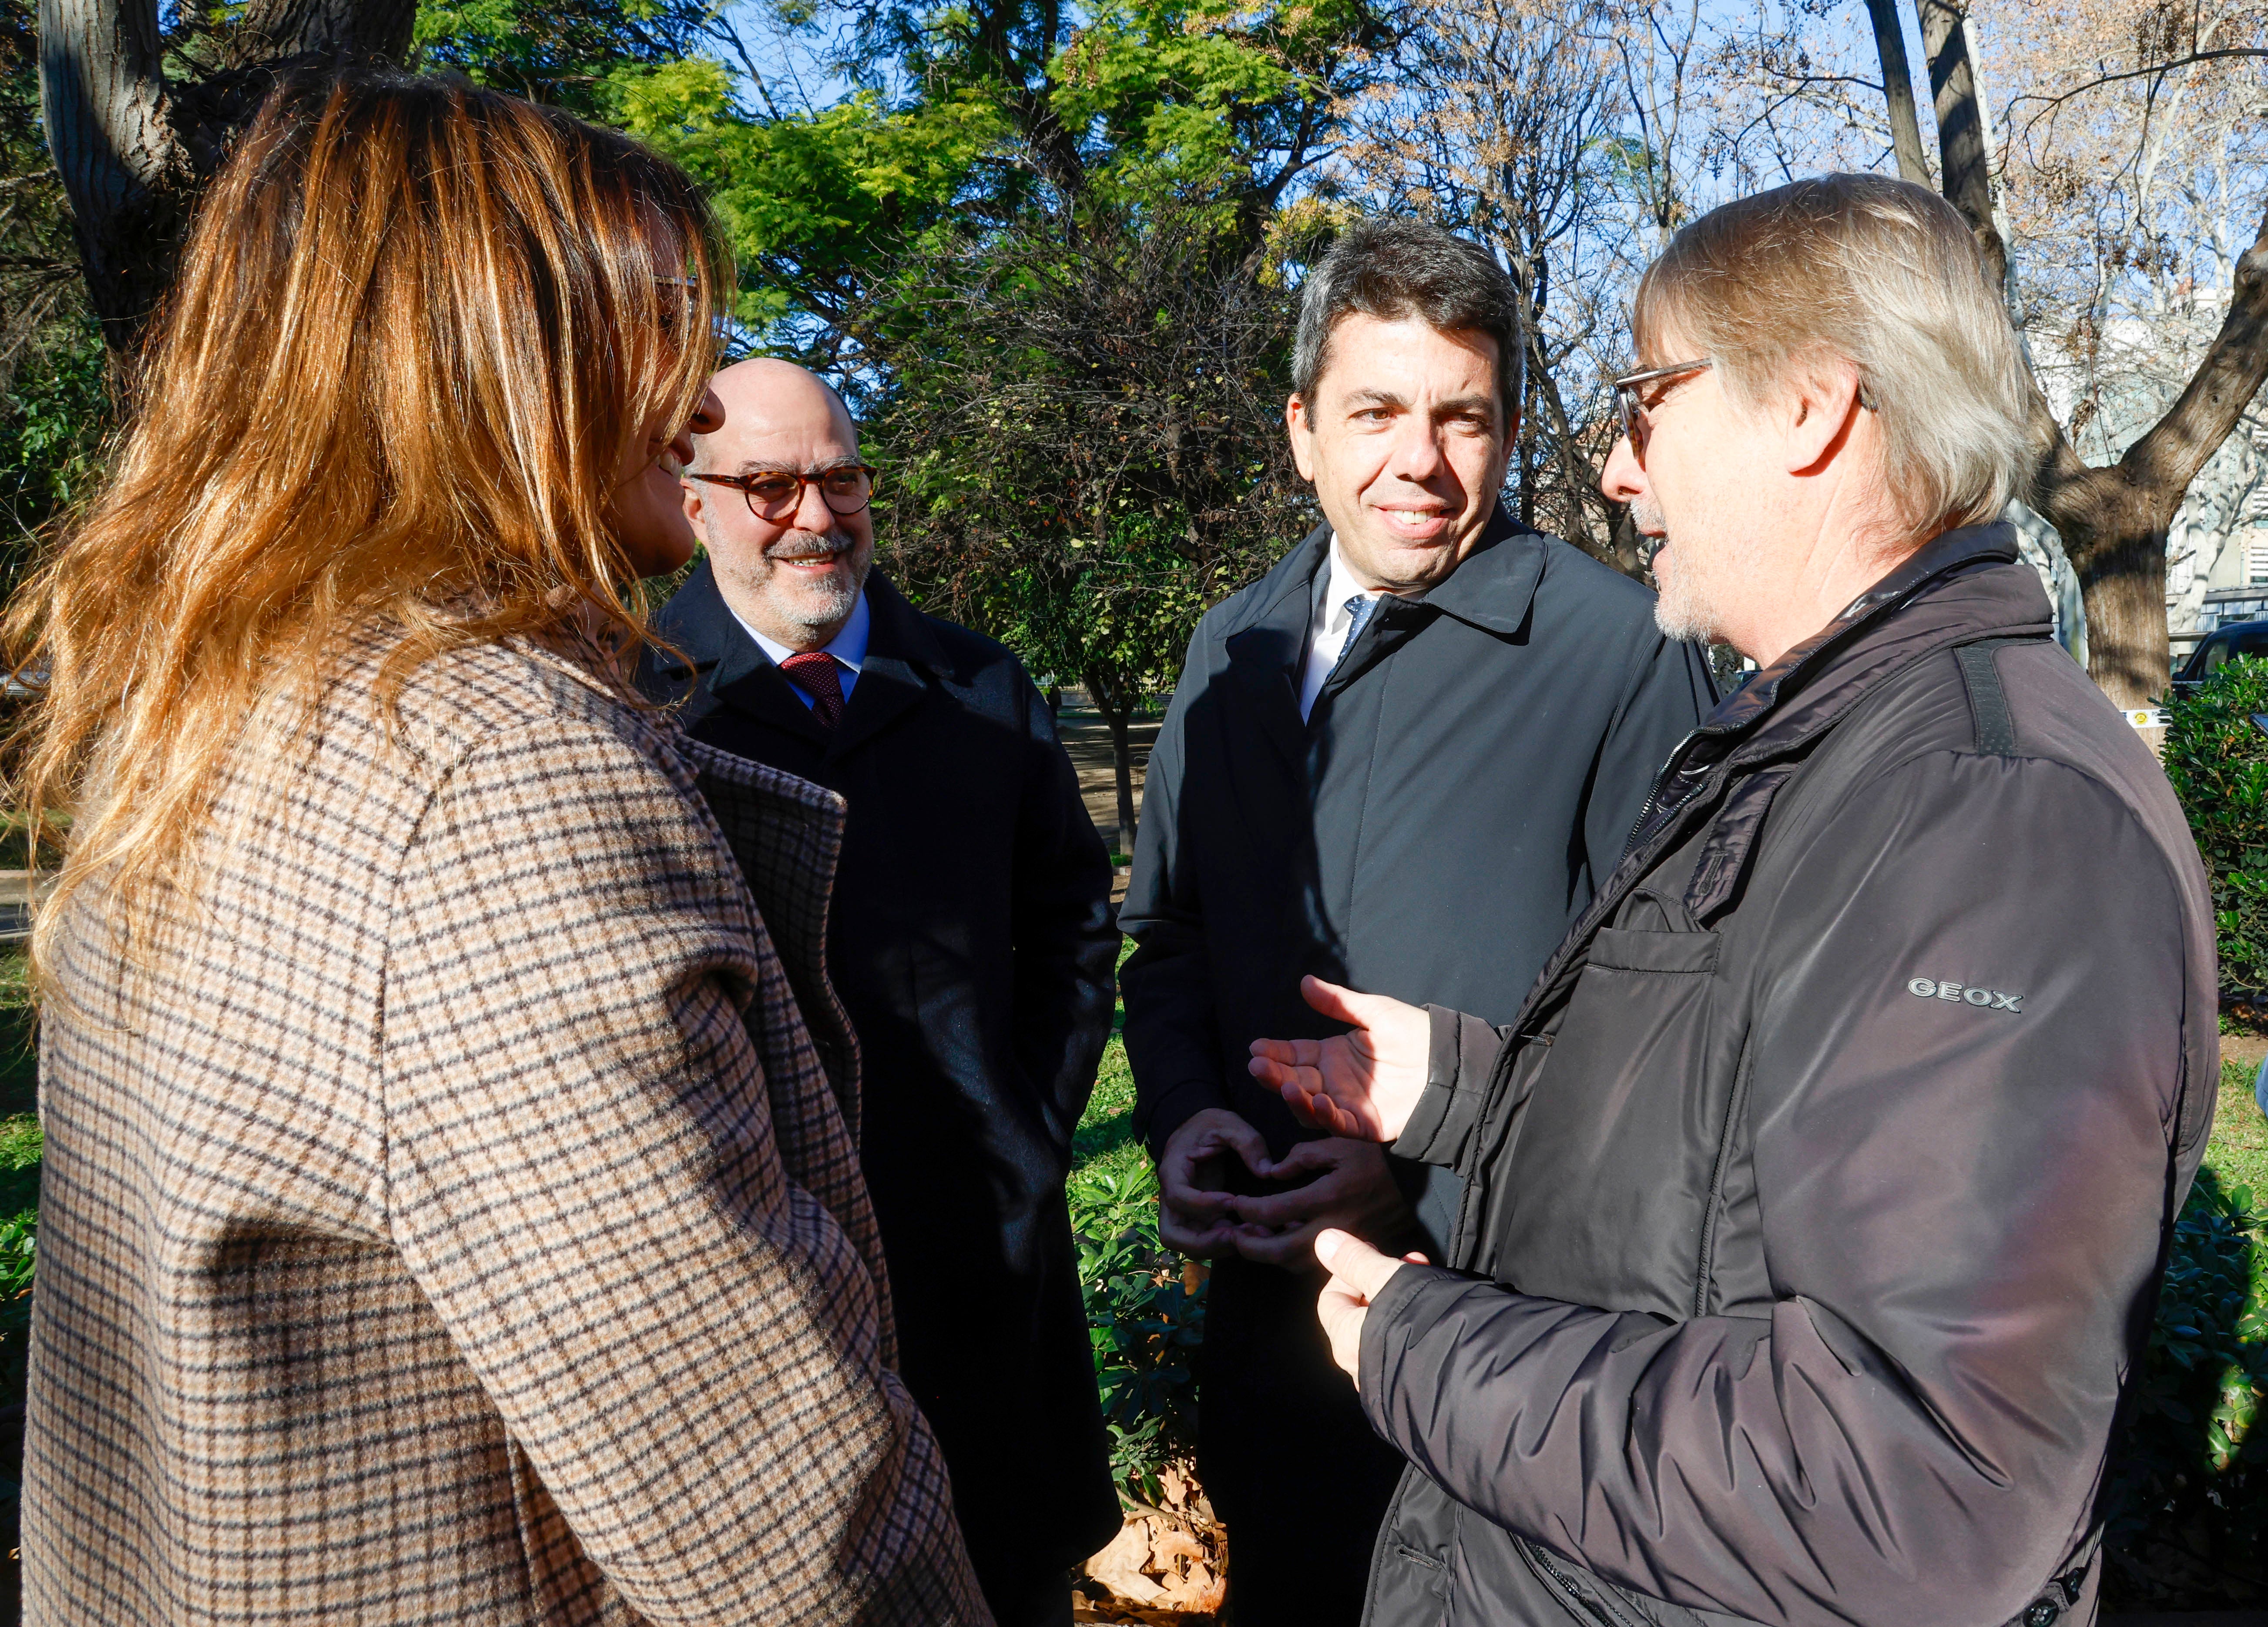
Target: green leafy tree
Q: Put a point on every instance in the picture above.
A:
(584, 56)
(2216, 757)
(968, 121)
(54, 399)
(1048, 256)
(1089, 443)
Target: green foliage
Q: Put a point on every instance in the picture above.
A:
(568, 52)
(1088, 440)
(2218, 762)
(1107, 1125)
(1146, 1316)
(55, 405)
(812, 201)
(1145, 1305)
(20, 1148)
(57, 415)
(2189, 1493)
(1182, 95)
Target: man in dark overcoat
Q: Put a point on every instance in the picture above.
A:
(1405, 758)
(1819, 1191)
(971, 942)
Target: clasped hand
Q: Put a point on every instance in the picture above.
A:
(1359, 1087)
(1337, 1183)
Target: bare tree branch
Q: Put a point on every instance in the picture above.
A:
(2155, 70)
(1897, 91)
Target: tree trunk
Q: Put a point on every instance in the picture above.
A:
(1117, 711)
(1961, 132)
(1897, 91)
(2113, 519)
(135, 149)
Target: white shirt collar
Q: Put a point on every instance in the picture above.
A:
(848, 646)
(1343, 587)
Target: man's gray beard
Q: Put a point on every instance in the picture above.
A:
(841, 597)
(1687, 606)
(1681, 613)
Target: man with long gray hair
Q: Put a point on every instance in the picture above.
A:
(1815, 1193)
(1406, 756)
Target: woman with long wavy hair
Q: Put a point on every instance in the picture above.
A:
(450, 1208)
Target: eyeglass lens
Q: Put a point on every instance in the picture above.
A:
(774, 496)
(1635, 426)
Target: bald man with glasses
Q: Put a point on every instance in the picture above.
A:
(970, 940)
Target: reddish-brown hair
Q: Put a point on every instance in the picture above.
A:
(415, 326)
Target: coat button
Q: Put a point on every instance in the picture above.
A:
(2041, 1614)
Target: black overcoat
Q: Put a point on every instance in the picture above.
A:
(971, 942)
(1463, 783)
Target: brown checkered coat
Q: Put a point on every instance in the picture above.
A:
(457, 1222)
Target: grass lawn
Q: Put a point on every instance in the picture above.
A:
(2238, 1152)
(1105, 1139)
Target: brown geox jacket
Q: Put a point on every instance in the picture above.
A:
(1815, 1202)
(449, 1218)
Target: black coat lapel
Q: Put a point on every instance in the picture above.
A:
(748, 683)
(1266, 655)
(731, 668)
(899, 653)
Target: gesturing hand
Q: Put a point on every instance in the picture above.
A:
(1362, 1084)
(1359, 1274)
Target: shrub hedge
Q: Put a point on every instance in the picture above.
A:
(2188, 1508)
(2217, 758)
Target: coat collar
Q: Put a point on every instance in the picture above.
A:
(904, 657)
(1965, 585)
(1266, 641)
(1492, 590)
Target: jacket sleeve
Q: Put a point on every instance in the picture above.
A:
(1668, 691)
(1172, 1040)
(1461, 1063)
(585, 1181)
(1962, 1204)
(1065, 941)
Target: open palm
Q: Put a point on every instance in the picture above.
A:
(1362, 1084)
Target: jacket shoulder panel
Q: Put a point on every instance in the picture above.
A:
(1570, 572)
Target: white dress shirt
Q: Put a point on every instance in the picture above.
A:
(1327, 628)
(848, 647)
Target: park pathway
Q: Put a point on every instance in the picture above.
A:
(1087, 739)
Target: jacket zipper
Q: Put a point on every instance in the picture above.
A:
(1596, 1610)
(1654, 797)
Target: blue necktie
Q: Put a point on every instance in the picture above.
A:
(1360, 608)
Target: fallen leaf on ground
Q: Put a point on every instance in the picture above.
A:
(1119, 1566)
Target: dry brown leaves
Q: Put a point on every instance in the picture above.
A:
(1166, 1567)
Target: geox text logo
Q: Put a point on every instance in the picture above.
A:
(1983, 999)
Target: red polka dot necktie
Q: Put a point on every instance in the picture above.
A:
(813, 672)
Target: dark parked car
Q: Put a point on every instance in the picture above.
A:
(2221, 646)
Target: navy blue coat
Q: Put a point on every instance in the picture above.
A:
(972, 943)
(1463, 785)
